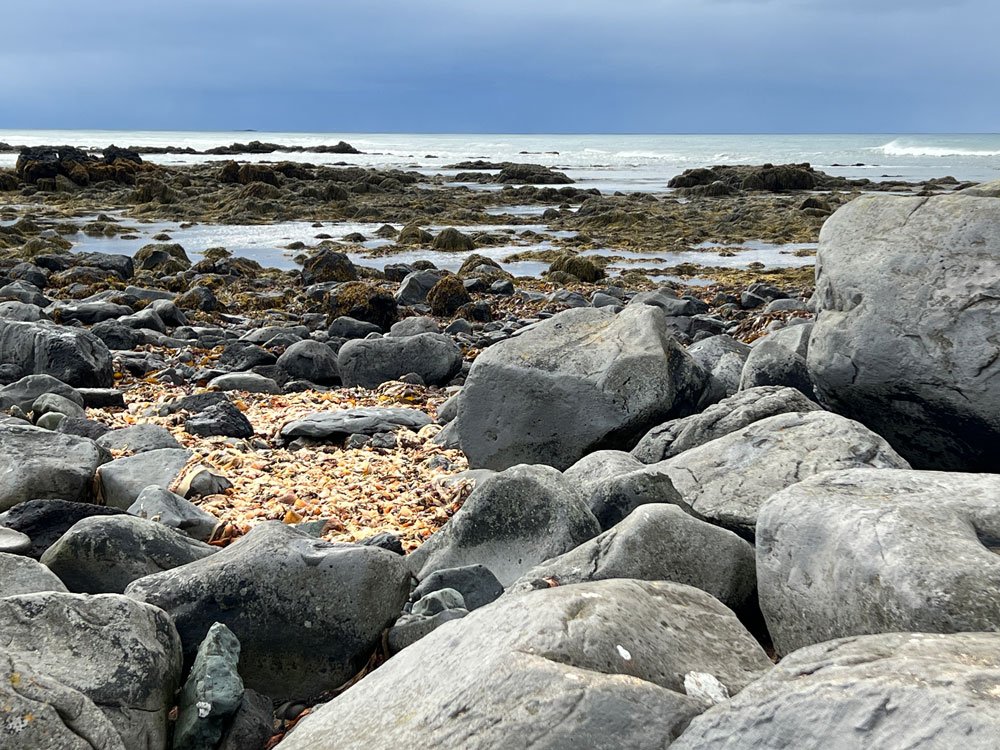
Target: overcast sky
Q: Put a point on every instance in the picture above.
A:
(650, 66)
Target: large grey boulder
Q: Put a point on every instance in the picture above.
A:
(908, 307)
(307, 613)
(854, 552)
(123, 655)
(337, 425)
(104, 554)
(22, 575)
(726, 480)
(120, 481)
(72, 355)
(37, 463)
(596, 665)
(580, 381)
(511, 522)
(729, 415)
(879, 692)
(371, 362)
(657, 542)
(37, 711)
(613, 498)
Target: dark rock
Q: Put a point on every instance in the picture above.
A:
(103, 554)
(337, 425)
(297, 640)
(371, 362)
(477, 585)
(44, 521)
(363, 301)
(222, 419)
(312, 361)
(172, 510)
(328, 265)
(73, 356)
(212, 694)
(120, 481)
(138, 439)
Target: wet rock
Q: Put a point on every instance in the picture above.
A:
(297, 641)
(349, 328)
(450, 240)
(162, 258)
(252, 726)
(511, 521)
(521, 401)
(415, 287)
(582, 268)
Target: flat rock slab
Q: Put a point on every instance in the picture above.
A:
(900, 690)
(592, 665)
(855, 552)
(138, 439)
(336, 425)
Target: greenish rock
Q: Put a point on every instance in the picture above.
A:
(212, 693)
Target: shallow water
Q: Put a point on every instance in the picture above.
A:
(754, 251)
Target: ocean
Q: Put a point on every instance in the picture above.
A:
(607, 162)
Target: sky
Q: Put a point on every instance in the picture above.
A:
(503, 66)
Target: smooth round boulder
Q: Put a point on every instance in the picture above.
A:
(371, 362)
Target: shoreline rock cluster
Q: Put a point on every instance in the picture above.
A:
(727, 519)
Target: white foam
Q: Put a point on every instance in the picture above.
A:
(895, 148)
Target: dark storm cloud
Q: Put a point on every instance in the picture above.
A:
(514, 65)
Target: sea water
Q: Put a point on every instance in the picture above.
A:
(606, 162)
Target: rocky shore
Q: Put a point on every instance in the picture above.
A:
(363, 501)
